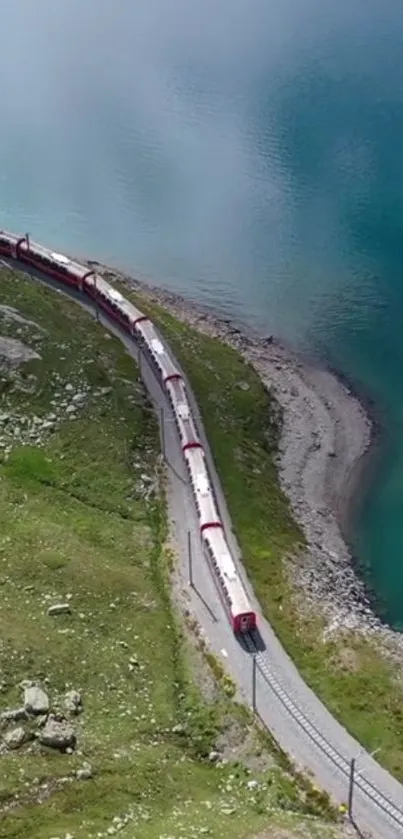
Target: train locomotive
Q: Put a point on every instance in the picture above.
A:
(86, 281)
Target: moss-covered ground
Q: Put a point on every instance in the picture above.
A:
(83, 521)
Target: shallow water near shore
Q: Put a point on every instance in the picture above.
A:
(245, 154)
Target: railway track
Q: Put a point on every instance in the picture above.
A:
(338, 760)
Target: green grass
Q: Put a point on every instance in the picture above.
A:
(358, 685)
(79, 520)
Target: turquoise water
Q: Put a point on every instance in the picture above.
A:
(248, 154)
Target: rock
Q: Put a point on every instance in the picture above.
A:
(69, 387)
(178, 729)
(71, 409)
(214, 756)
(243, 385)
(14, 715)
(16, 738)
(57, 735)
(36, 700)
(252, 784)
(72, 701)
(84, 774)
(60, 609)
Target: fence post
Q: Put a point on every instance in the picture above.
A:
(190, 560)
(351, 789)
(162, 418)
(254, 683)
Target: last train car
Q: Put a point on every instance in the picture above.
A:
(227, 580)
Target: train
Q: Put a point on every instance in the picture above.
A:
(89, 283)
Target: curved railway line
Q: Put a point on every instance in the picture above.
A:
(284, 703)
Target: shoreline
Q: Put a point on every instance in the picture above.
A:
(330, 438)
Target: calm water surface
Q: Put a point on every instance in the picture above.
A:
(246, 153)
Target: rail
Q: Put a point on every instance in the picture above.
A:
(320, 741)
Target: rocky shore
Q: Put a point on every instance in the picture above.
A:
(326, 433)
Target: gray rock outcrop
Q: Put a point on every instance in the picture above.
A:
(73, 702)
(57, 735)
(36, 701)
(16, 738)
(14, 715)
(59, 609)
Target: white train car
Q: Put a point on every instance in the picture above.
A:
(207, 510)
(112, 301)
(51, 263)
(185, 423)
(54, 264)
(158, 351)
(227, 580)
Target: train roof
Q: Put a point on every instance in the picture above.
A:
(114, 296)
(61, 258)
(239, 598)
(158, 348)
(183, 410)
(205, 500)
(45, 252)
(10, 236)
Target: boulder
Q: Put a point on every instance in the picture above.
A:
(16, 738)
(57, 735)
(60, 609)
(36, 701)
(85, 773)
(72, 702)
(14, 715)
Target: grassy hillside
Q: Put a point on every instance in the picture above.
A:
(83, 525)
